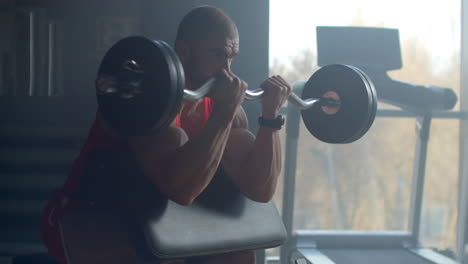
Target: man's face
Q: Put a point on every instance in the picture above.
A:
(208, 56)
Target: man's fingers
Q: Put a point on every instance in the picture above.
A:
(225, 75)
(268, 83)
(285, 83)
(236, 81)
(280, 79)
(272, 83)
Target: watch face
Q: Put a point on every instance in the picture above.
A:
(272, 123)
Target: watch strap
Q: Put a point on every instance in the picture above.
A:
(276, 123)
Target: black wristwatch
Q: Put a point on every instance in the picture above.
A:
(276, 123)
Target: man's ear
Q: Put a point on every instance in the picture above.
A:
(183, 50)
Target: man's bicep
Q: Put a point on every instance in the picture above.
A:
(240, 119)
(152, 151)
(240, 141)
(238, 147)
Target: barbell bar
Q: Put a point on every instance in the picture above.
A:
(141, 85)
(205, 89)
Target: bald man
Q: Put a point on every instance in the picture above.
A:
(207, 135)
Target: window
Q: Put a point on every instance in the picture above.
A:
(367, 185)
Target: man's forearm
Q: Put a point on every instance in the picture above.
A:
(194, 164)
(265, 161)
(256, 164)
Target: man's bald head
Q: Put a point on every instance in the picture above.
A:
(204, 21)
(207, 41)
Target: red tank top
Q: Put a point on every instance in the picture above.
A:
(194, 130)
(62, 200)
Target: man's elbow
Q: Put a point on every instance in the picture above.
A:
(262, 199)
(184, 198)
(176, 192)
(263, 196)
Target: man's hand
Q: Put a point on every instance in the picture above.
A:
(228, 91)
(277, 91)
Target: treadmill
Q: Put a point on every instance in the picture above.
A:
(375, 51)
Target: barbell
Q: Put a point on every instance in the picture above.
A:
(141, 84)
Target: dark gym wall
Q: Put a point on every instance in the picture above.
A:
(87, 28)
(161, 18)
(47, 132)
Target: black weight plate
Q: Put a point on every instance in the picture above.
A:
(356, 104)
(153, 108)
(372, 104)
(178, 83)
(180, 79)
(373, 110)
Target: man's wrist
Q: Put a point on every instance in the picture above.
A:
(270, 116)
(270, 113)
(274, 123)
